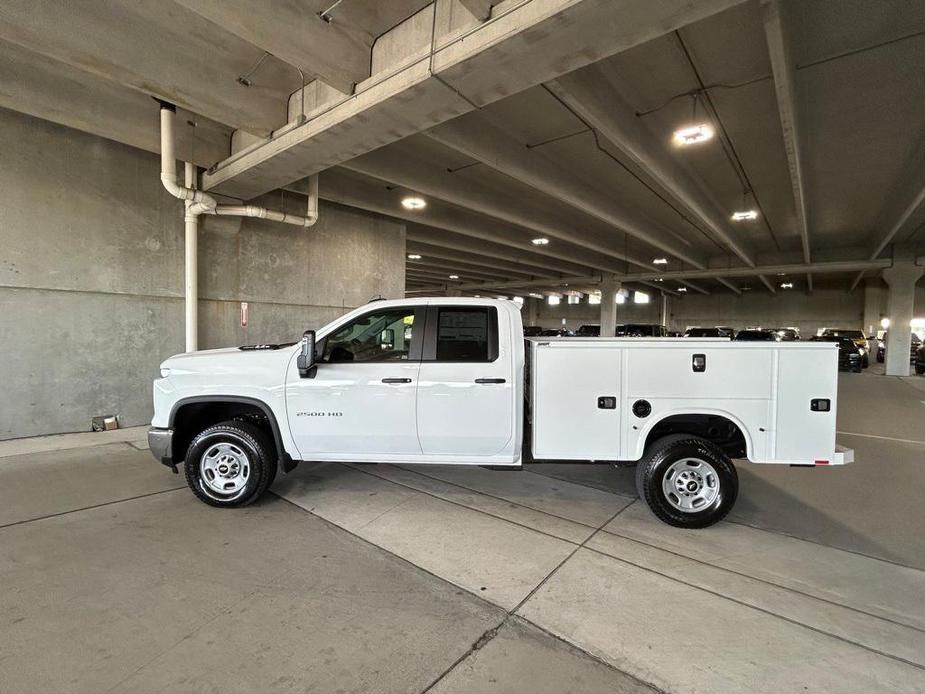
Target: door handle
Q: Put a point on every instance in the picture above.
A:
(396, 380)
(490, 380)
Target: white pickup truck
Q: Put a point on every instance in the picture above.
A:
(453, 381)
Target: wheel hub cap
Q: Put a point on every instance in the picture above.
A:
(690, 485)
(223, 471)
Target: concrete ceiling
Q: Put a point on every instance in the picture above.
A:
(819, 109)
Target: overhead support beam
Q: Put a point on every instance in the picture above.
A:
(160, 49)
(482, 256)
(696, 287)
(476, 137)
(438, 183)
(782, 69)
(528, 44)
(54, 91)
(729, 285)
(339, 189)
(335, 49)
(767, 283)
(589, 95)
(480, 9)
(659, 287)
(721, 274)
(902, 220)
(430, 262)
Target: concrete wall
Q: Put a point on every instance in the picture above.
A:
(91, 276)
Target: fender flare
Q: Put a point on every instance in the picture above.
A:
(644, 434)
(284, 459)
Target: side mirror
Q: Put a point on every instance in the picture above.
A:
(306, 359)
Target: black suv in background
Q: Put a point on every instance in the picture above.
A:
(849, 354)
(641, 330)
(756, 336)
(920, 360)
(588, 331)
(706, 332)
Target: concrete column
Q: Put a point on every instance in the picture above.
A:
(609, 288)
(663, 310)
(532, 305)
(873, 305)
(900, 309)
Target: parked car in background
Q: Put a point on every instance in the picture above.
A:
(849, 354)
(588, 331)
(730, 332)
(642, 330)
(860, 339)
(532, 330)
(787, 334)
(752, 335)
(913, 349)
(920, 360)
(557, 332)
(705, 332)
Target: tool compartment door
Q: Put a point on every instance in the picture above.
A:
(571, 418)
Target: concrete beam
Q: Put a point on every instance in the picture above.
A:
(337, 187)
(54, 91)
(430, 262)
(476, 137)
(436, 182)
(160, 49)
(336, 49)
(767, 283)
(480, 9)
(481, 257)
(587, 94)
(722, 273)
(430, 268)
(530, 43)
(893, 230)
(729, 285)
(696, 287)
(341, 187)
(782, 69)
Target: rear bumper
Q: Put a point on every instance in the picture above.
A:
(160, 441)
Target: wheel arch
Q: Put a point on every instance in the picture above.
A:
(698, 422)
(193, 412)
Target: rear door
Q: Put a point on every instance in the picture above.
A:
(466, 383)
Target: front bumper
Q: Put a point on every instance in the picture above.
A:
(160, 441)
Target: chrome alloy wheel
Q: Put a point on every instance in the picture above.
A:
(690, 485)
(223, 471)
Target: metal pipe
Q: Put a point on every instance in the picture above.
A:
(196, 203)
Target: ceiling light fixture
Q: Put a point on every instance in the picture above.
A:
(540, 242)
(413, 256)
(696, 132)
(413, 202)
(454, 277)
(693, 134)
(744, 215)
(786, 285)
(660, 261)
(536, 296)
(682, 289)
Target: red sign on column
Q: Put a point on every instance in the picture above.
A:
(243, 314)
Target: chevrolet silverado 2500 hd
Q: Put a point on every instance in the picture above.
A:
(452, 381)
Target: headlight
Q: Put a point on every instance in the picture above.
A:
(165, 372)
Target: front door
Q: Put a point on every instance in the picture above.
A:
(362, 398)
(466, 390)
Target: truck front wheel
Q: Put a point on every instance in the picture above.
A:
(230, 464)
(687, 481)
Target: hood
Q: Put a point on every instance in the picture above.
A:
(228, 359)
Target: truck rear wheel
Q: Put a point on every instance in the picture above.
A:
(687, 481)
(230, 464)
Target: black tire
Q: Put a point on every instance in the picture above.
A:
(655, 464)
(856, 369)
(880, 358)
(866, 363)
(248, 442)
(920, 370)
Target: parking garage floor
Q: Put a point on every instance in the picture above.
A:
(374, 578)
